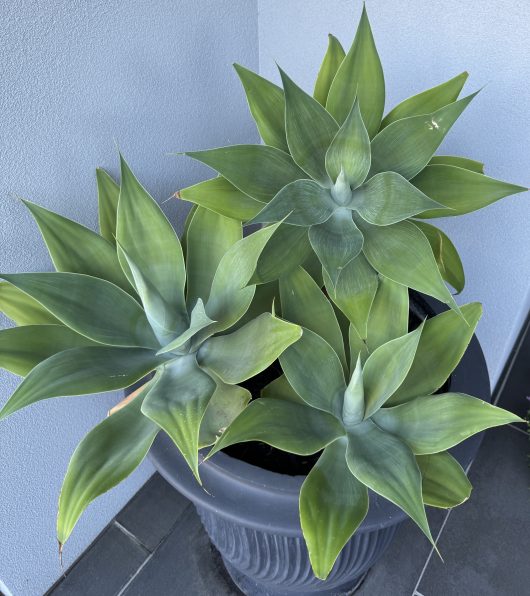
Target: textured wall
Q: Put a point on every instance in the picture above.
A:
(78, 77)
(423, 43)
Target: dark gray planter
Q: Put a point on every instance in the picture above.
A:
(251, 514)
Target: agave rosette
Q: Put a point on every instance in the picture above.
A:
(127, 305)
(370, 408)
(348, 180)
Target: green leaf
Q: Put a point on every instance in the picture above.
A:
(402, 253)
(435, 423)
(108, 196)
(354, 292)
(386, 368)
(259, 171)
(461, 190)
(230, 297)
(76, 249)
(459, 162)
(309, 128)
(288, 248)
(388, 198)
(427, 101)
(218, 195)
(23, 309)
(446, 255)
(209, 237)
(349, 151)
(93, 307)
(444, 483)
(304, 303)
(301, 203)
(282, 424)
(387, 466)
(314, 371)
(361, 75)
(358, 347)
(227, 402)
(22, 348)
(354, 406)
(151, 243)
(407, 145)
(191, 212)
(267, 105)
(266, 298)
(333, 503)
(443, 342)
(177, 402)
(389, 316)
(82, 371)
(281, 389)
(336, 242)
(332, 60)
(106, 456)
(246, 352)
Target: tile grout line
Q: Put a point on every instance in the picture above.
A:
(130, 535)
(135, 574)
(513, 427)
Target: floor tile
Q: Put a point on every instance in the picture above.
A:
(153, 512)
(104, 568)
(485, 541)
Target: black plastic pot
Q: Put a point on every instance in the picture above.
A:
(251, 514)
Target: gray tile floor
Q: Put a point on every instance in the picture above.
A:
(156, 544)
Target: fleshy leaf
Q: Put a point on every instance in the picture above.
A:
(443, 342)
(246, 352)
(108, 196)
(91, 306)
(358, 347)
(354, 406)
(281, 389)
(388, 198)
(82, 371)
(435, 423)
(218, 195)
(389, 315)
(259, 171)
(267, 105)
(461, 190)
(336, 242)
(199, 320)
(23, 309)
(427, 101)
(349, 151)
(407, 145)
(328, 69)
(333, 503)
(107, 455)
(444, 483)
(177, 402)
(459, 162)
(361, 75)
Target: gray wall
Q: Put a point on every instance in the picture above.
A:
(423, 43)
(77, 77)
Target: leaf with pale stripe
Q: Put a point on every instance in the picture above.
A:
(444, 483)
(22, 309)
(328, 69)
(459, 162)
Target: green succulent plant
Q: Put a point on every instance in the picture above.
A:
(347, 180)
(123, 305)
(374, 415)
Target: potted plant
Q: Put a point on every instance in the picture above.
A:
(311, 388)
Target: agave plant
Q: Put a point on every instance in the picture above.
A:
(348, 180)
(374, 415)
(123, 305)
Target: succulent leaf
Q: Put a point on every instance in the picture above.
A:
(444, 483)
(407, 145)
(435, 423)
(354, 404)
(358, 347)
(333, 503)
(22, 309)
(108, 196)
(22, 348)
(427, 101)
(106, 456)
(259, 171)
(81, 371)
(218, 195)
(281, 389)
(261, 340)
(360, 74)
(91, 306)
(177, 401)
(459, 162)
(349, 151)
(309, 129)
(461, 190)
(328, 69)
(336, 242)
